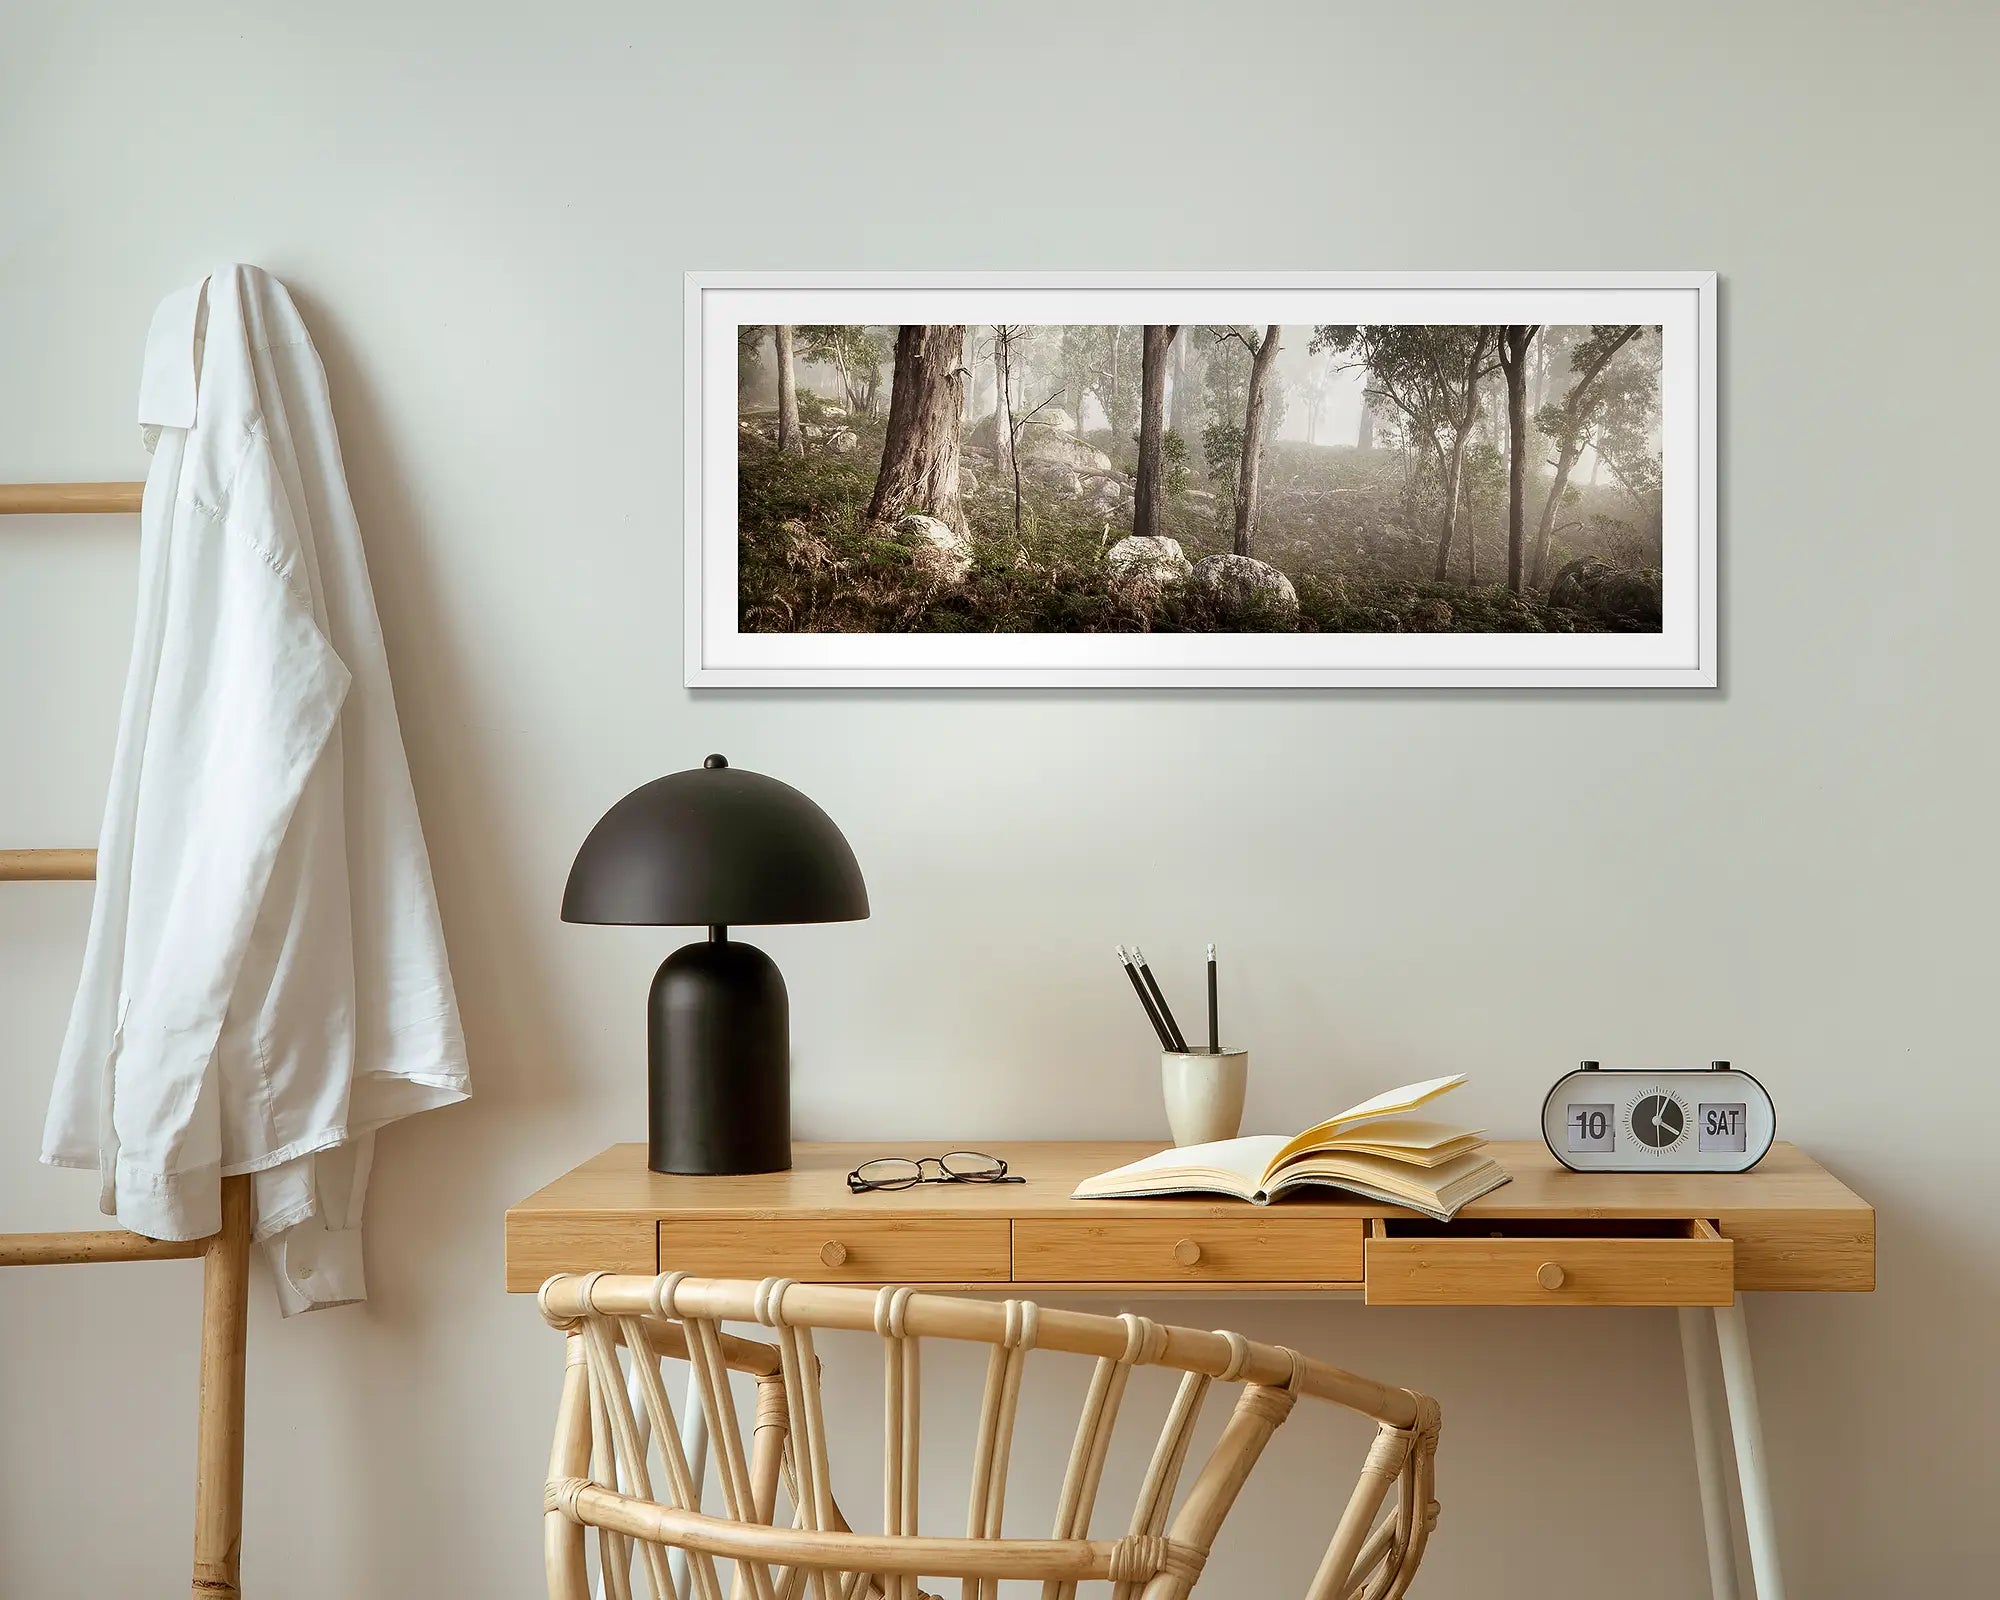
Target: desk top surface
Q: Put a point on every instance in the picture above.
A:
(617, 1183)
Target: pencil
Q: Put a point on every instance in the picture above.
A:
(1214, 1029)
(1145, 1000)
(1176, 1040)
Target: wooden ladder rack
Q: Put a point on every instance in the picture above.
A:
(224, 1255)
(57, 499)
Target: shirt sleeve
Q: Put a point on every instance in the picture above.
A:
(247, 696)
(316, 1260)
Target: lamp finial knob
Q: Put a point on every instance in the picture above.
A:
(716, 761)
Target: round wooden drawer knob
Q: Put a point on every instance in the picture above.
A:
(1187, 1252)
(1549, 1275)
(833, 1253)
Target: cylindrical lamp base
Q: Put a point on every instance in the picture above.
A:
(718, 1044)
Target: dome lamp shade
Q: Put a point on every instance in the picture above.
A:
(713, 847)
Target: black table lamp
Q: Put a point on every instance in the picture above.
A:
(717, 846)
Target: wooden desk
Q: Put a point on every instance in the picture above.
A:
(1549, 1238)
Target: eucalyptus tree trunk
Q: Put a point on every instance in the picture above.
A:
(1157, 341)
(1454, 474)
(1566, 458)
(1183, 416)
(1514, 343)
(920, 454)
(789, 436)
(1003, 403)
(1253, 440)
(1455, 467)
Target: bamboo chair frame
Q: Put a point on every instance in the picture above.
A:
(599, 1444)
(224, 1255)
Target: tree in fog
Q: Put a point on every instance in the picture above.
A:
(1155, 343)
(1073, 367)
(1314, 385)
(1626, 437)
(1263, 352)
(920, 452)
(790, 438)
(1570, 423)
(1430, 373)
(856, 354)
(1514, 342)
(1006, 337)
(1114, 366)
(749, 357)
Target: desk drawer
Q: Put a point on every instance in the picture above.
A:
(1548, 1263)
(1256, 1248)
(843, 1250)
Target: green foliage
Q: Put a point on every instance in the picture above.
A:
(855, 351)
(1483, 476)
(1104, 361)
(1224, 361)
(1176, 473)
(1420, 369)
(1222, 448)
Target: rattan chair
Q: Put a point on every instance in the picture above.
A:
(600, 1443)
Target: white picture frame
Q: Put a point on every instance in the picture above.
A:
(718, 655)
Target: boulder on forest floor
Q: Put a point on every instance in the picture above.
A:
(1143, 567)
(944, 552)
(1055, 475)
(1046, 444)
(843, 442)
(1245, 589)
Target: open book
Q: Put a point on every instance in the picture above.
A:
(1373, 1150)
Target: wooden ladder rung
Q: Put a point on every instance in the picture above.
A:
(61, 499)
(81, 1249)
(47, 866)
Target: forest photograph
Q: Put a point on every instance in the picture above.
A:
(1076, 479)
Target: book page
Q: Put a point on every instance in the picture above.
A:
(1438, 1191)
(1230, 1166)
(1407, 1098)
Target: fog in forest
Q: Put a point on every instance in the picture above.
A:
(1122, 478)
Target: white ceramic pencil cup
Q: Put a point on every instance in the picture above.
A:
(1204, 1093)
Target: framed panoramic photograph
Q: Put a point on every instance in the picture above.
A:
(1289, 481)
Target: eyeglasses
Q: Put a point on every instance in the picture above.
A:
(954, 1166)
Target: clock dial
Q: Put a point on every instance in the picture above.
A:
(1658, 1121)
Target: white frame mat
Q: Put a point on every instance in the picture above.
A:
(1682, 655)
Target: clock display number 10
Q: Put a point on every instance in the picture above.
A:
(1591, 1127)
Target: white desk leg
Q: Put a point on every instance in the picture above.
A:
(1740, 1385)
(1703, 1411)
(694, 1445)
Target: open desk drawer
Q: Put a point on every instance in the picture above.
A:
(1536, 1262)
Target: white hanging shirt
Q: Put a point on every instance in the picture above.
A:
(265, 981)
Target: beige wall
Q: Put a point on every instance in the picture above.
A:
(485, 211)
